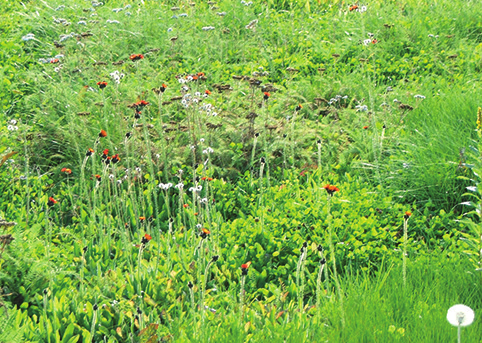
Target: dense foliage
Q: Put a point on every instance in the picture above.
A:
(282, 171)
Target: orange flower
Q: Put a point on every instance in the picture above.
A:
(102, 84)
(66, 171)
(353, 8)
(98, 177)
(266, 95)
(331, 189)
(136, 57)
(201, 74)
(141, 103)
(51, 202)
(407, 215)
(141, 219)
(115, 158)
(54, 60)
(194, 77)
(105, 153)
(365, 127)
(163, 88)
(244, 268)
(210, 179)
(196, 213)
(207, 92)
(102, 133)
(89, 152)
(299, 107)
(146, 239)
(185, 205)
(374, 41)
(204, 234)
(204, 178)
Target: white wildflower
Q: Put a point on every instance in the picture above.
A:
(419, 96)
(221, 14)
(28, 36)
(208, 28)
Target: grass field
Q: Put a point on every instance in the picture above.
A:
(239, 171)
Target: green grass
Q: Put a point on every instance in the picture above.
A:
(260, 164)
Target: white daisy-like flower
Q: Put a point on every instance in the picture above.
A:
(419, 96)
(204, 201)
(363, 9)
(198, 226)
(117, 10)
(13, 122)
(61, 7)
(169, 29)
(460, 315)
(81, 22)
(208, 28)
(367, 41)
(179, 186)
(28, 36)
(165, 186)
(111, 176)
(183, 15)
(202, 140)
(113, 21)
(221, 14)
(361, 108)
(10, 128)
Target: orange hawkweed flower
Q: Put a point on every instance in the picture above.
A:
(136, 57)
(407, 215)
(98, 177)
(102, 84)
(244, 268)
(353, 8)
(204, 178)
(185, 205)
(207, 92)
(201, 74)
(54, 60)
(210, 179)
(194, 77)
(146, 239)
(141, 103)
(299, 107)
(51, 202)
(141, 219)
(115, 158)
(266, 95)
(66, 171)
(331, 189)
(365, 127)
(204, 233)
(102, 133)
(163, 88)
(374, 41)
(89, 152)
